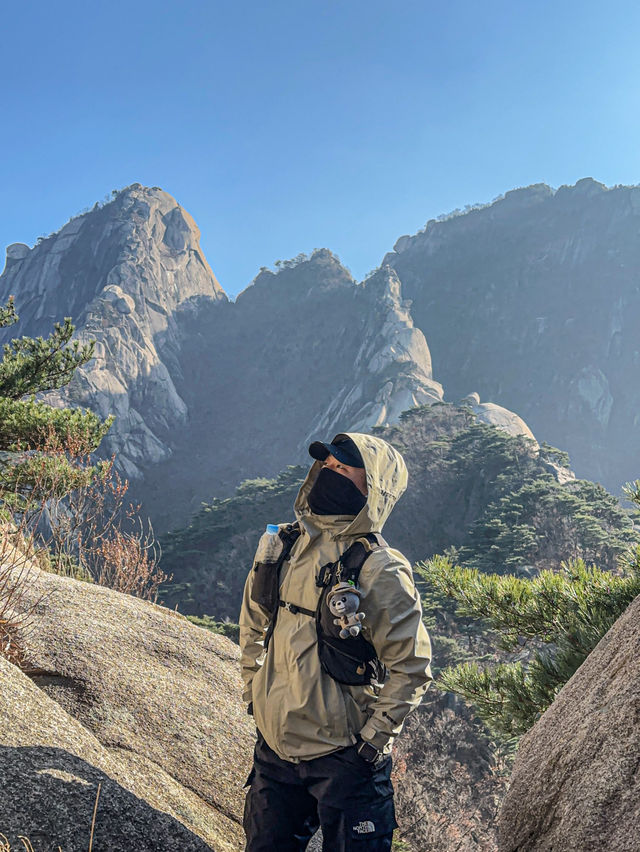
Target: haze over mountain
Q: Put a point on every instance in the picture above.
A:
(531, 301)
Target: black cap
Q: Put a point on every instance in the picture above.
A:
(343, 449)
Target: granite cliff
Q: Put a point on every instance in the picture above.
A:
(122, 272)
(534, 301)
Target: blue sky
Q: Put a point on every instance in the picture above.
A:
(291, 124)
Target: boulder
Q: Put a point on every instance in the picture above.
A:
(498, 416)
(574, 786)
(127, 693)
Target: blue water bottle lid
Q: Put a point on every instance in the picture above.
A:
(272, 529)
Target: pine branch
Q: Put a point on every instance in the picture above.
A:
(568, 612)
(32, 365)
(25, 423)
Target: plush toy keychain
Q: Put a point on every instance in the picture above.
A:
(343, 601)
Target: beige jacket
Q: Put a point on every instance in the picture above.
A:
(299, 709)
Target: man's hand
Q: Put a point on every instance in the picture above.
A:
(367, 750)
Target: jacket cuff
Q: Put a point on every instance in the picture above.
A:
(377, 738)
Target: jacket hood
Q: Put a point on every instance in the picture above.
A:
(386, 481)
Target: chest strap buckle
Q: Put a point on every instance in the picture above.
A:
(295, 609)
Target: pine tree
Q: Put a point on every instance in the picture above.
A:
(545, 628)
(44, 456)
(30, 366)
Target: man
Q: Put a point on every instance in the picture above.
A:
(323, 756)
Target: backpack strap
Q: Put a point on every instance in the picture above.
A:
(294, 608)
(346, 568)
(351, 562)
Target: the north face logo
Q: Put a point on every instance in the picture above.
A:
(364, 827)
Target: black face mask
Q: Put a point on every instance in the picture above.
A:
(335, 494)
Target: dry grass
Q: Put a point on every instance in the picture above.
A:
(70, 518)
(95, 533)
(16, 575)
(128, 563)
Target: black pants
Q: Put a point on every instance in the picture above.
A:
(350, 799)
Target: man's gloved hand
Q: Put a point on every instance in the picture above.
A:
(250, 708)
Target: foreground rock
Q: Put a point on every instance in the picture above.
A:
(574, 786)
(131, 695)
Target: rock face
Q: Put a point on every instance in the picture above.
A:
(392, 364)
(575, 782)
(534, 301)
(122, 272)
(135, 697)
(302, 353)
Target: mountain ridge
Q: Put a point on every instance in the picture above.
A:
(528, 302)
(533, 301)
(206, 391)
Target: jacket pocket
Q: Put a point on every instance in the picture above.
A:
(356, 716)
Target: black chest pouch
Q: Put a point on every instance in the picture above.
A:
(352, 660)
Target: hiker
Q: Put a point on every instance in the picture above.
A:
(327, 708)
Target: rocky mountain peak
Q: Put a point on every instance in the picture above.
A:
(15, 253)
(392, 365)
(123, 272)
(301, 277)
(101, 248)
